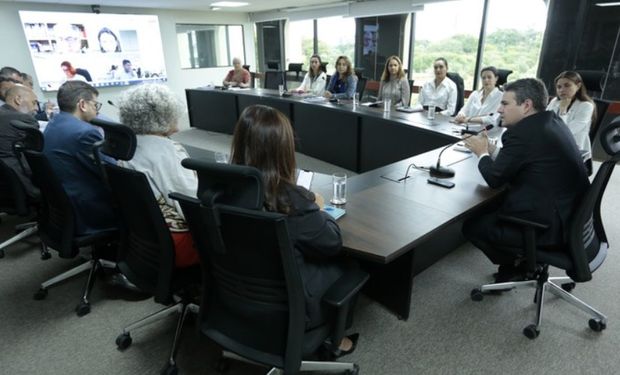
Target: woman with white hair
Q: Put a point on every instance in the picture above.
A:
(153, 111)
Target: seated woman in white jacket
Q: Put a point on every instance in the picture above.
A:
(153, 111)
(440, 92)
(315, 80)
(575, 107)
(481, 106)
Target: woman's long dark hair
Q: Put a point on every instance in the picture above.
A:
(264, 139)
(312, 75)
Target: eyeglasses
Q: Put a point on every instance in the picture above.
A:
(97, 104)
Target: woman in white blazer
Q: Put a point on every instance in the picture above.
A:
(482, 105)
(575, 107)
(315, 80)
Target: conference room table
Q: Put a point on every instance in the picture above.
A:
(354, 137)
(398, 229)
(395, 228)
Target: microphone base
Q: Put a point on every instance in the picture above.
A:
(441, 172)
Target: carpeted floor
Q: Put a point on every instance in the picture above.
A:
(446, 334)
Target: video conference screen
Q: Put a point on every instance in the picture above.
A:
(102, 49)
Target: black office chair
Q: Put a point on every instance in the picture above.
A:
(585, 251)
(460, 90)
(502, 77)
(296, 68)
(601, 110)
(593, 81)
(254, 304)
(273, 79)
(324, 66)
(361, 87)
(15, 201)
(56, 223)
(146, 251)
(273, 65)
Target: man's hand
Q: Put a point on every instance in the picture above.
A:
(478, 144)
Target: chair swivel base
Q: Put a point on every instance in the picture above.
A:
(93, 266)
(340, 367)
(560, 286)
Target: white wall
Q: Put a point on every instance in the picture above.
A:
(15, 50)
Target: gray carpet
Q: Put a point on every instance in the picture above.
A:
(446, 334)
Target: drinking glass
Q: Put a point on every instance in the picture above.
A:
(339, 181)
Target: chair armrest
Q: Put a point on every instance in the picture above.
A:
(345, 288)
(523, 222)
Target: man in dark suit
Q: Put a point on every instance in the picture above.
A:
(21, 104)
(542, 170)
(69, 139)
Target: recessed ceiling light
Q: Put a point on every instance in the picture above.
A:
(617, 3)
(229, 4)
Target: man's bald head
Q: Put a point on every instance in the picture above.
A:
(22, 99)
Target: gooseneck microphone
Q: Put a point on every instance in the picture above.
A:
(438, 170)
(111, 103)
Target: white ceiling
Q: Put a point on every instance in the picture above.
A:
(255, 5)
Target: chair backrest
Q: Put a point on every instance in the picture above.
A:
(324, 66)
(502, 76)
(235, 185)
(601, 109)
(592, 80)
(273, 79)
(246, 67)
(295, 67)
(460, 90)
(13, 197)
(361, 86)
(146, 253)
(56, 221)
(254, 303)
(273, 65)
(587, 239)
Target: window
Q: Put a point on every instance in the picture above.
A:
(208, 46)
(450, 30)
(300, 42)
(336, 37)
(513, 42)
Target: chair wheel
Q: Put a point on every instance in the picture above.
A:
(568, 286)
(169, 369)
(82, 308)
(45, 256)
(40, 294)
(531, 331)
(476, 295)
(123, 341)
(597, 325)
(222, 365)
(355, 371)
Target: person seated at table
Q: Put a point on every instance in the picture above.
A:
(237, 77)
(543, 173)
(315, 80)
(264, 139)
(394, 84)
(481, 106)
(152, 111)
(344, 81)
(440, 92)
(71, 73)
(575, 108)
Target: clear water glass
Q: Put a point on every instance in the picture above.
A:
(339, 181)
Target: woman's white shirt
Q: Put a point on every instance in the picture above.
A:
(578, 118)
(314, 86)
(474, 107)
(444, 95)
(159, 158)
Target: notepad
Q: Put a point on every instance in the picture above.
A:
(335, 212)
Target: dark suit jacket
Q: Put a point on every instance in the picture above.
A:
(316, 240)
(8, 136)
(544, 171)
(68, 147)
